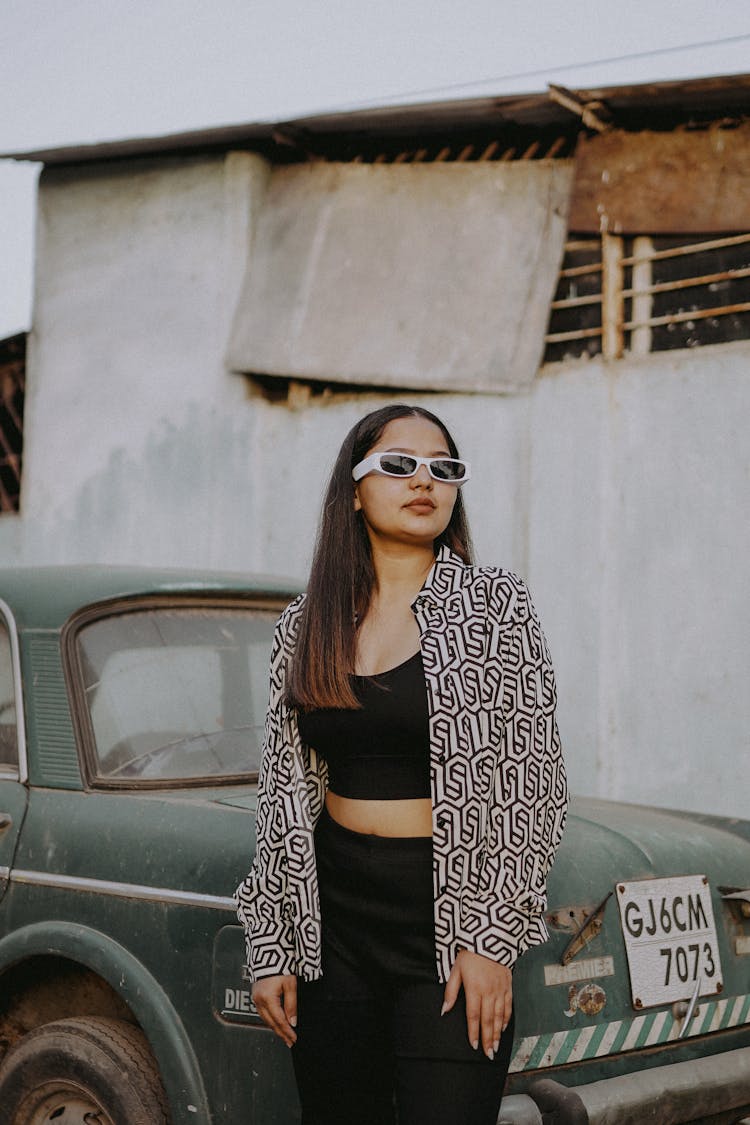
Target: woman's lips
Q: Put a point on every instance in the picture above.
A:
(424, 505)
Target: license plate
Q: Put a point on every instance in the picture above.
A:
(670, 939)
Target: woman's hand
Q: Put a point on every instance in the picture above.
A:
(488, 989)
(276, 1001)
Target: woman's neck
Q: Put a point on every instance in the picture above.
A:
(389, 634)
(400, 573)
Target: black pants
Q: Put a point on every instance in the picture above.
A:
(372, 1047)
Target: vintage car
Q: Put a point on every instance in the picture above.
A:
(131, 713)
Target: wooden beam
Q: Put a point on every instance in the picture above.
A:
(688, 180)
(613, 304)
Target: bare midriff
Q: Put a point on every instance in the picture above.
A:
(382, 818)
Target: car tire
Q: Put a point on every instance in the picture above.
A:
(82, 1070)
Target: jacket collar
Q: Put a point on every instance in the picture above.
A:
(445, 577)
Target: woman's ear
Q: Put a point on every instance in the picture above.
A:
(357, 502)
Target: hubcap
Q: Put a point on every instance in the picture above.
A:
(61, 1104)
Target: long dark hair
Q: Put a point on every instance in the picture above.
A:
(342, 573)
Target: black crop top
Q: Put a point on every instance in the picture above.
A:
(382, 750)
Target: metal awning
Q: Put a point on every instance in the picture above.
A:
(652, 105)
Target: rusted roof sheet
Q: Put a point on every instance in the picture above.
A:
(651, 105)
(657, 183)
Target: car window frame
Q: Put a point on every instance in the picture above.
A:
(21, 771)
(272, 604)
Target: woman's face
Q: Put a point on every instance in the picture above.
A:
(409, 510)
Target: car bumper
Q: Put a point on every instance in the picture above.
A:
(671, 1095)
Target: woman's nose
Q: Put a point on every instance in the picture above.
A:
(422, 478)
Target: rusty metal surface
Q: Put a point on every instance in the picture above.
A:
(589, 929)
(663, 183)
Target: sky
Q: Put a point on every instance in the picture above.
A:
(91, 70)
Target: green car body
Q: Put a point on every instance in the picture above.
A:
(131, 711)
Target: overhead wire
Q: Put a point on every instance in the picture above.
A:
(549, 70)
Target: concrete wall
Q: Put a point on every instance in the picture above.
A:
(638, 546)
(617, 489)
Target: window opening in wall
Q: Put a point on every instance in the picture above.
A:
(12, 388)
(298, 393)
(646, 294)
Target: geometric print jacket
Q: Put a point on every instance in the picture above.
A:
(499, 793)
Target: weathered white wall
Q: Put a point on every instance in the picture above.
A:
(639, 492)
(619, 489)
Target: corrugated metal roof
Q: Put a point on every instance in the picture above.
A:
(650, 105)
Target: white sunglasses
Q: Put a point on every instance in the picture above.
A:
(448, 470)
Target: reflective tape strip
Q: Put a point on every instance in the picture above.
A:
(657, 1028)
(633, 1037)
(537, 1052)
(611, 1032)
(581, 1044)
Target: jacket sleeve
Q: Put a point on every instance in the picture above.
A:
(528, 799)
(261, 898)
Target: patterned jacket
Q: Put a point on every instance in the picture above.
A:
(499, 792)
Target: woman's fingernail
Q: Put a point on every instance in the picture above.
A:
(444, 1009)
(496, 1045)
(293, 1021)
(475, 1044)
(490, 1054)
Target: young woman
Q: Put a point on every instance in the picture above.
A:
(411, 797)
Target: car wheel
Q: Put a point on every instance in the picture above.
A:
(89, 1071)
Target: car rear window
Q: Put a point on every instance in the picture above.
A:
(176, 694)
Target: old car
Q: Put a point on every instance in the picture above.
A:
(131, 714)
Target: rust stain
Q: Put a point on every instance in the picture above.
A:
(663, 183)
(591, 999)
